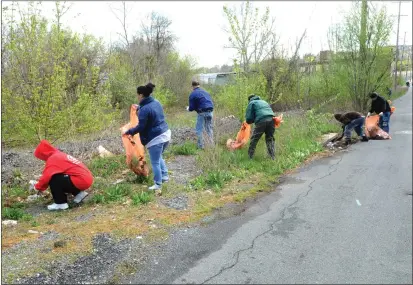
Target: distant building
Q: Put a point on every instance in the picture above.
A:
(219, 78)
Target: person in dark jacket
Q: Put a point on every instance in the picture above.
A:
(260, 113)
(200, 101)
(351, 121)
(380, 106)
(153, 131)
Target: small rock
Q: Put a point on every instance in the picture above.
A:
(32, 232)
(153, 226)
(59, 243)
(33, 197)
(9, 223)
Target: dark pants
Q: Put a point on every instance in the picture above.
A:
(384, 122)
(60, 185)
(268, 128)
(357, 125)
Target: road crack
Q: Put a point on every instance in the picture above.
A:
(238, 253)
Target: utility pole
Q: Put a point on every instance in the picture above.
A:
(397, 49)
(401, 64)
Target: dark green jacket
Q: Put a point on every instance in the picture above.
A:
(258, 110)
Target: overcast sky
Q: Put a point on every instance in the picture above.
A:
(199, 24)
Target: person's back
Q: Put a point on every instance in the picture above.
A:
(152, 116)
(258, 110)
(200, 101)
(379, 105)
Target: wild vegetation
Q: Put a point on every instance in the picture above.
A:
(60, 85)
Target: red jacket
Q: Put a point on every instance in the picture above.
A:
(60, 162)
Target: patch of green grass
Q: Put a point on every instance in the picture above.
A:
(213, 179)
(98, 199)
(15, 213)
(188, 148)
(295, 141)
(107, 166)
(142, 198)
(117, 193)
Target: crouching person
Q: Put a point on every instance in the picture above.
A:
(64, 174)
(352, 121)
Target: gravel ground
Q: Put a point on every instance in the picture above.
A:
(29, 166)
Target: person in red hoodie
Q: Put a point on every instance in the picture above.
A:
(64, 174)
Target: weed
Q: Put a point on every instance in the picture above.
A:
(35, 223)
(104, 167)
(117, 193)
(15, 214)
(98, 199)
(141, 198)
(188, 148)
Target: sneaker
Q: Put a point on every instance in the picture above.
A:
(79, 197)
(155, 187)
(364, 139)
(165, 179)
(347, 142)
(54, 207)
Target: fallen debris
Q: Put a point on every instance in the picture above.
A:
(103, 152)
(9, 223)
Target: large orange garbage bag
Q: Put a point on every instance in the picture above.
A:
(242, 137)
(372, 129)
(245, 132)
(135, 152)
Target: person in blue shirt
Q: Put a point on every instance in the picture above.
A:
(153, 131)
(200, 101)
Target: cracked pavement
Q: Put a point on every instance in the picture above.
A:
(345, 219)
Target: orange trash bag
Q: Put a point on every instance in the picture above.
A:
(242, 137)
(372, 129)
(135, 152)
(245, 132)
(278, 120)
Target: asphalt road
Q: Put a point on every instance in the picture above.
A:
(346, 219)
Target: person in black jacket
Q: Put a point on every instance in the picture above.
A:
(351, 121)
(380, 106)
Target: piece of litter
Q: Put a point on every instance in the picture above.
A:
(118, 181)
(9, 223)
(139, 237)
(32, 232)
(358, 202)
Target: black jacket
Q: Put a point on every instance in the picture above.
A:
(379, 105)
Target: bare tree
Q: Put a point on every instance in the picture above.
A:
(123, 14)
(159, 41)
(250, 34)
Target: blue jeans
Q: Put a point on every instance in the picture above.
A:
(357, 125)
(160, 172)
(204, 120)
(384, 122)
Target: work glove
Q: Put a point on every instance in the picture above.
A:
(31, 184)
(187, 108)
(368, 114)
(381, 114)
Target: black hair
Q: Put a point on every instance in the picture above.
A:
(249, 97)
(195, 83)
(373, 95)
(146, 90)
